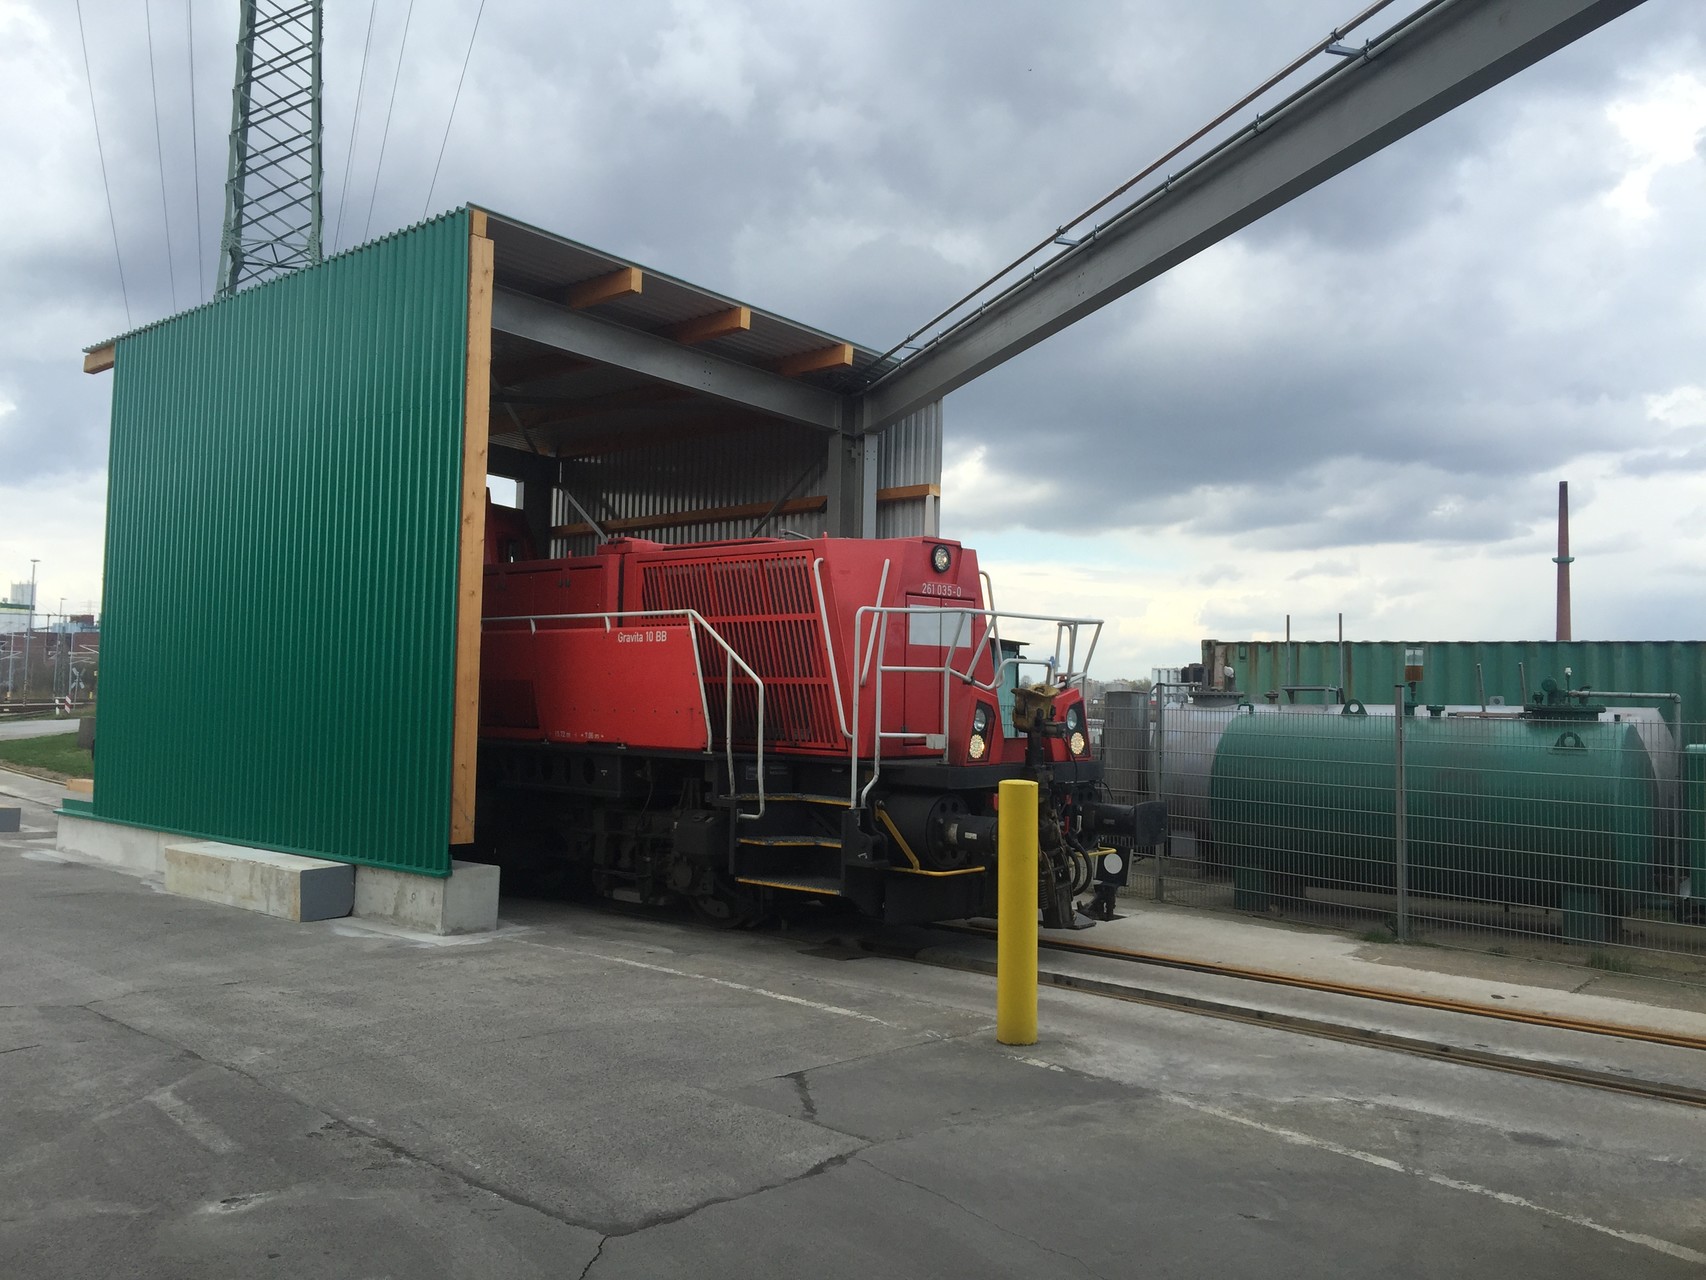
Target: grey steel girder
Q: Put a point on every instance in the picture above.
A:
(1458, 50)
(667, 361)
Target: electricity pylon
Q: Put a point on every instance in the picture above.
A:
(272, 189)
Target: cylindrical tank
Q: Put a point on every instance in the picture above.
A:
(1510, 810)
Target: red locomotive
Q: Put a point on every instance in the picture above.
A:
(739, 723)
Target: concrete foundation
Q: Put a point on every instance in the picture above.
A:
(464, 902)
(135, 848)
(285, 885)
(11, 818)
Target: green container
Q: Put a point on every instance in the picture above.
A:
(1535, 812)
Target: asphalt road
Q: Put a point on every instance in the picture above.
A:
(10, 729)
(193, 1091)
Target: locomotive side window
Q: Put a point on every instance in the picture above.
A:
(937, 627)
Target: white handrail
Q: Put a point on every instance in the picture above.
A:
(695, 620)
(1066, 633)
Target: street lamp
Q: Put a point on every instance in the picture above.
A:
(30, 626)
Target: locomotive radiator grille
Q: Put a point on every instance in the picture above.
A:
(766, 609)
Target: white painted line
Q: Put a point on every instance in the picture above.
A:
(192, 1121)
(1440, 1180)
(741, 986)
(1035, 1062)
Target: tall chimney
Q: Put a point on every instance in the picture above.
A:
(1563, 559)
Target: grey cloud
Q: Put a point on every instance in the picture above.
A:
(886, 157)
(1324, 569)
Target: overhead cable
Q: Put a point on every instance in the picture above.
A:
(100, 151)
(159, 149)
(1055, 237)
(355, 120)
(433, 185)
(379, 169)
(195, 159)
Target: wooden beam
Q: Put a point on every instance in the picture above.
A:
(476, 222)
(470, 568)
(719, 324)
(704, 515)
(837, 356)
(99, 360)
(624, 282)
(901, 493)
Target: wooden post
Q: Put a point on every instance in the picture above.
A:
(470, 577)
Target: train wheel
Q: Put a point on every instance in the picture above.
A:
(726, 907)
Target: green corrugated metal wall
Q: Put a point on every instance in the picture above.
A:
(279, 624)
(1371, 668)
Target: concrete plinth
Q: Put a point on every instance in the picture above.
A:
(464, 902)
(11, 818)
(136, 848)
(285, 885)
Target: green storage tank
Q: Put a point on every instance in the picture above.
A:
(1546, 811)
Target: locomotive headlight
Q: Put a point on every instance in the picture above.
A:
(940, 559)
(977, 746)
(1076, 742)
(980, 719)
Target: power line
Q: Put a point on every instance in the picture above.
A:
(89, 78)
(159, 149)
(433, 186)
(385, 134)
(1056, 237)
(355, 120)
(195, 160)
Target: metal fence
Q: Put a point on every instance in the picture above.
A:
(1568, 829)
(55, 661)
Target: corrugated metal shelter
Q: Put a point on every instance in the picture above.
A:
(295, 530)
(1369, 670)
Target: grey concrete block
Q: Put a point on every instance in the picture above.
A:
(285, 885)
(464, 902)
(135, 848)
(11, 818)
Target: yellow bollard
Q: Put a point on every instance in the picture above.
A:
(1016, 923)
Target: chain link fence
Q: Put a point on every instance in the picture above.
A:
(1572, 828)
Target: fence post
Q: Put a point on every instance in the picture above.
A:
(1016, 914)
(1400, 849)
(1160, 691)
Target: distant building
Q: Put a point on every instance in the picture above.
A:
(20, 595)
(14, 617)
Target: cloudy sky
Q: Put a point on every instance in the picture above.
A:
(1363, 403)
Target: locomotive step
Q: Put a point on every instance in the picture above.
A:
(781, 797)
(797, 884)
(793, 842)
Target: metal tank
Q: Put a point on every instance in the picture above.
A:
(1555, 808)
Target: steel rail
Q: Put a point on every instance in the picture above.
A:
(1365, 1037)
(1556, 1022)
(1368, 1038)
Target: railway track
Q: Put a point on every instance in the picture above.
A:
(914, 945)
(1556, 1069)
(1556, 1022)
